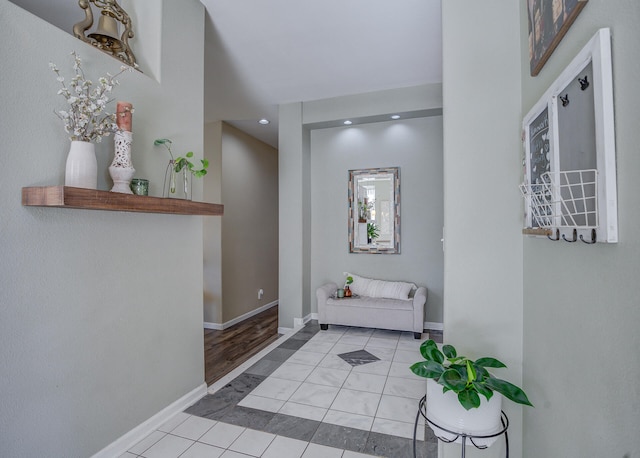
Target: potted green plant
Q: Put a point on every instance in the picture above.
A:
(180, 164)
(454, 386)
(373, 232)
(347, 282)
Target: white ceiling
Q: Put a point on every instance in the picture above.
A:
(262, 53)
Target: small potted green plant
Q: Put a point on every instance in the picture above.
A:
(454, 386)
(180, 164)
(373, 232)
(347, 289)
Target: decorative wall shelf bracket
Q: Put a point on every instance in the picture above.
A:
(91, 199)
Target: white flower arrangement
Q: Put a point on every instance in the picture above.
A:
(87, 119)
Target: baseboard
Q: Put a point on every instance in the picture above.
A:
(300, 322)
(433, 325)
(228, 324)
(124, 443)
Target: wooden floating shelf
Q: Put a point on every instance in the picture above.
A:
(92, 199)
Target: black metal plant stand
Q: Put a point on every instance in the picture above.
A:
(422, 410)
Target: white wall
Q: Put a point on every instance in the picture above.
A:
(414, 145)
(101, 317)
(581, 302)
(482, 207)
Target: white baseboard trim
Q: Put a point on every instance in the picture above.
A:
(433, 325)
(228, 324)
(125, 442)
(300, 322)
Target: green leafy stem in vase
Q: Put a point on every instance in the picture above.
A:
(181, 163)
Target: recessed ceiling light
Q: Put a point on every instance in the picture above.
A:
(264, 121)
(395, 117)
(348, 123)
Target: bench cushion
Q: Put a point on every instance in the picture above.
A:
(373, 288)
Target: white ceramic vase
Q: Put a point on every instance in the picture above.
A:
(81, 170)
(445, 410)
(121, 169)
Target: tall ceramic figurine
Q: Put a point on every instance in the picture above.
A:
(121, 169)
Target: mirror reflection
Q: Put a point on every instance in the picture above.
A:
(374, 211)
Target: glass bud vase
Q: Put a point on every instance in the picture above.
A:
(177, 185)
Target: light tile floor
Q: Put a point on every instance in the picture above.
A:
(315, 383)
(302, 400)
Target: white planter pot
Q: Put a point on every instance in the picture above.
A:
(82, 167)
(445, 410)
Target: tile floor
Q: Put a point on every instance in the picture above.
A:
(304, 400)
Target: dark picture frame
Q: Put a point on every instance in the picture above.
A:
(549, 21)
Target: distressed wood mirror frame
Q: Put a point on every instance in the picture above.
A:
(374, 211)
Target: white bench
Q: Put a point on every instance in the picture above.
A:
(372, 312)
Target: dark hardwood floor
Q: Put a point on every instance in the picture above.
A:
(225, 350)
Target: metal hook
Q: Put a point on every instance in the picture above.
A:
(564, 100)
(593, 238)
(557, 236)
(575, 237)
(584, 83)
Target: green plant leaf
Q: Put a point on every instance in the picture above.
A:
(471, 372)
(425, 346)
(434, 354)
(161, 141)
(508, 390)
(205, 163)
(453, 380)
(449, 351)
(469, 399)
(489, 362)
(481, 372)
(180, 164)
(460, 369)
(189, 154)
(427, 369)
(482, 389)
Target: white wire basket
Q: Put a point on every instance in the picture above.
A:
(563, 199)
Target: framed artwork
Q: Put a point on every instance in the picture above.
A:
(549, 21)
(569, 175)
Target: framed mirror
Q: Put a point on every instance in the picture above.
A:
(374, 211)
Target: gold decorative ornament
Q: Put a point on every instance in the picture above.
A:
(106, 37)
